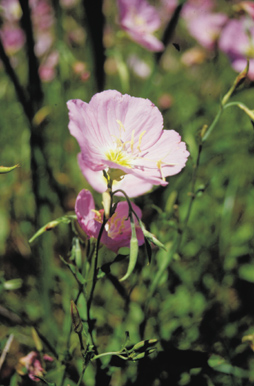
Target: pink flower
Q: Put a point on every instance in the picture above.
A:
(202, 24)
(10, 10)
(140, 20)
(139, 66)
(130, 184)
(123, 135)
(32, 362)
(194, 8)
(117, 231)
(237, 41)
(206, 28)
(13, 38)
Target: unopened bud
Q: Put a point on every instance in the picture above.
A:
(203, 131)
(144, 345)
(237, 82)
(76, 320)
(106, 200)
(37, 340)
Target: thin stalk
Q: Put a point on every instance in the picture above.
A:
(94, 274)
(213, 124)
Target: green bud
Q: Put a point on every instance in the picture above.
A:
(37, 340)
(12, 284)
(106, 201)
(144, 345)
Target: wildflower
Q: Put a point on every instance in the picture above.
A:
(202, 24)
(139, 19)
(123, 135)
(117, 231)
(33, 366)
(237, 41)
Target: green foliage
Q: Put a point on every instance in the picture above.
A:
(195, 295)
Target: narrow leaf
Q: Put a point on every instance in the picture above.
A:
(52, 224)
(6, 169)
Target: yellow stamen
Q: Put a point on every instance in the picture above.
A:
(132, 140)
(121, 126)
(98, 215)
(140, 139)
(160, 169)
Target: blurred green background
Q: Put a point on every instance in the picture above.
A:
(203, 302)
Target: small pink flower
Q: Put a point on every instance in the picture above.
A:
(13, 38)
(139, 66)
(124, 133)
(140, 20)
(11, 10)
(32, 363)
(237, 41)
(117, 231)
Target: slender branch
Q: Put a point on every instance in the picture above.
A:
(94, 267)
(34, 85)
(22, 97)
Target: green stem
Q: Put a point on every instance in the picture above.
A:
(117, 353)
(94, 267)
(213, 124)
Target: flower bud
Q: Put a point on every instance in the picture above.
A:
(76, 320)
(144, 345)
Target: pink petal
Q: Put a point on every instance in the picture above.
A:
(130, 184)
(84, 209)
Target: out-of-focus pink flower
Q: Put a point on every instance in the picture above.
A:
(139, 66)
(237, 41)
(42, 14)
(11, 10)
(206, 28)
(247, 6)
(44, 42)
(140, 20)
(124, 133)
(47, 69)
(32, 363)
(166, 9)
(194, 8)
(13, 38)
(202, 24)
(117, 231)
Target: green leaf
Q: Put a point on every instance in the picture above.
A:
(133, 250)
(52, 224)
(219, 364)
(6, 169)
(44, 381)
(246, 272)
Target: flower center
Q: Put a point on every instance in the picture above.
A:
(250, 51)
(115, 226)
(119, 156)
(123, 153)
